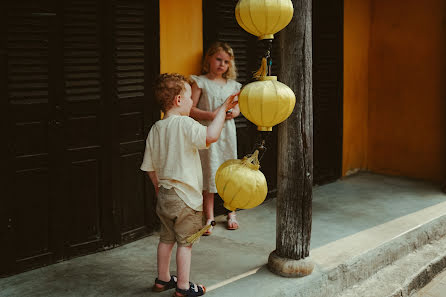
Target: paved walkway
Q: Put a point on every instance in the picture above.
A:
(349, 217)
(436, 288)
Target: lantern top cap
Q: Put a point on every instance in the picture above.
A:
(270, 77)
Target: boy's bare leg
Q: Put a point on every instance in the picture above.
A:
(208, 205)
(163, 257)
(184, 255)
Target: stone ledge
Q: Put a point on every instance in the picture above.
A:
(350, 260)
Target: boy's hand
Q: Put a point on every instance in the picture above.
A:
(214, 129)
(231, 101)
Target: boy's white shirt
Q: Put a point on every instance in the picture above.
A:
(172, 152)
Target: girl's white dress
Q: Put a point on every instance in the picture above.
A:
(212, 96)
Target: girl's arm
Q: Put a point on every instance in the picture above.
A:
(197, 113)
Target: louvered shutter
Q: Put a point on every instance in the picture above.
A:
(5, 181)
(130, 70)
(28, 58)
(327, 90)
(77, 100)
(81, 113)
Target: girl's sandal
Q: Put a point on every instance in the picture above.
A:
(232, 223)
(194, 290)
(164, 285)
(209, 231)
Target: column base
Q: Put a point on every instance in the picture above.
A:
(289, 267)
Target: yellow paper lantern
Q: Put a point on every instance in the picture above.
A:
(264, 18)
(240, 183)
(267, 102)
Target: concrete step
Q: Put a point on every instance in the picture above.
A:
(356, 259)
(405, 276)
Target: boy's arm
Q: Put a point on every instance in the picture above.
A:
(214, 129)
(195, 112)
(154, 179)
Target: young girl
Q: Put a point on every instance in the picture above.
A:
(209, 91)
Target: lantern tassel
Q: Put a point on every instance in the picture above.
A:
(253, 159)
(262, 70)
(195, 236)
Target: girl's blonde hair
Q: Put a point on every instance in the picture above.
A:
(231, 73)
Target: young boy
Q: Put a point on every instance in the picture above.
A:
(173, 164)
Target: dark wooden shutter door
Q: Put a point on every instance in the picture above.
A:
(82, 113)
(78, 105)
(6, 247)
(327, 89)
(55, 103)
(135, 207)
(28, 35)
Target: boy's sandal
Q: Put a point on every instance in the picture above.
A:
(164, 285)
(194, 290)
(232, 223)
(208, 231)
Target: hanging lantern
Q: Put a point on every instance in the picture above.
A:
(264, 18)
(240, 183)
(267, 102)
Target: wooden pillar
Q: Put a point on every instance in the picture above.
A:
(295, 152)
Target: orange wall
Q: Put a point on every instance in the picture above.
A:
(181, 36)
(407, 98)
(356, 55)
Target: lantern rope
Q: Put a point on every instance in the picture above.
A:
(195, 236)
(263, 138)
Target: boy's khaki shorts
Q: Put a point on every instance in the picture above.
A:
(178, 221)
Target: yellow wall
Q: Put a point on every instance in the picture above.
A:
(181, 36)
(356, 54)
(407, 102)
(402, 130)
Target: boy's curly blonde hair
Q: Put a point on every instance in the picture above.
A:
(167, 86)
(231, 73)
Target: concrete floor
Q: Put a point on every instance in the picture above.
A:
(340, 209)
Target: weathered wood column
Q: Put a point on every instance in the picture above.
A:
(295, 150)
